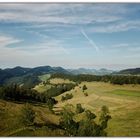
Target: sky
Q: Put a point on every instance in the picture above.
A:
(70, 35)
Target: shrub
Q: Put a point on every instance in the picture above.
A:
(63, 98)
(66, 97)
(28, 114)
(79, 108)
(90, 115)
(86, 94)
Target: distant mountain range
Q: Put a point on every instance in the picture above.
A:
(90, 71)
(135, 71)
(21, 74)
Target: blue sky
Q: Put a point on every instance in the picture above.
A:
(70, 35)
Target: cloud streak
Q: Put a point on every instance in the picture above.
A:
(89, 40)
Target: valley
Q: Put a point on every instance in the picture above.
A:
(122, 101)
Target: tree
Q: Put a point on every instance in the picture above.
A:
(84, 87)
(28, 114)
(51, 102)
(90, 115)
(87, 126)
(67, 122)
(104, 117)
(79, 108)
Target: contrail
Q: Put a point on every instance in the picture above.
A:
(90, 40)
(84, 33)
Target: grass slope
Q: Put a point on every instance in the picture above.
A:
(122, 100)
(10, 120)
(44, 77)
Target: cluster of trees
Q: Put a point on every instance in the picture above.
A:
(16, 93)
(125, 80)
(85, 127)
(114, 79)
(27, 81)
(66, 97)
(59, 89)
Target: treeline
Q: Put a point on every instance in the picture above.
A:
(114, 79)
(59, 89)
(27, 81)
(66, 97)
(16, 93)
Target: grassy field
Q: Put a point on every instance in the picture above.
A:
(42, 88)
(60, 81)
(44, 77)
(10, 120)
(123, 102)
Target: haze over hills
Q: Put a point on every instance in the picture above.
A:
(135, 71)
(102, 71)
(21, 71)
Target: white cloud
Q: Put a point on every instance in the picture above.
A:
(58, 13)
(7, 40)
(49, 47)
(116, 27)
(47, 15)
(48, 52)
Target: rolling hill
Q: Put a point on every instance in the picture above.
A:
(134, 71)
(21, 75)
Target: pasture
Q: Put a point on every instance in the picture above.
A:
(123, 102)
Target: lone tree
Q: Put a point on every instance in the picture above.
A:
(79, 108)
(104, 117)
(84, 87)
